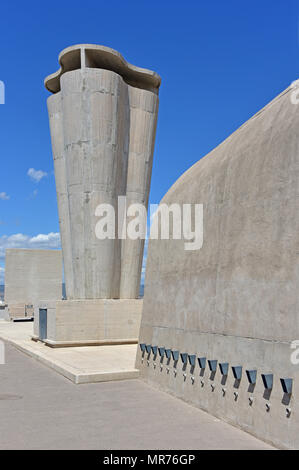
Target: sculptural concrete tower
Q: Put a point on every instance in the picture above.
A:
(103, 115)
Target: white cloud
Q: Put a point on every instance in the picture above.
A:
(36, 175)
(4, 196)
(2, 271)
(52, 240)
(19, 240)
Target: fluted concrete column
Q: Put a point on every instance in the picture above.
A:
(143, 120)
(57, 138)
(103, 116)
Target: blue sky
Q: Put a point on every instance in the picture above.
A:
(220, 62)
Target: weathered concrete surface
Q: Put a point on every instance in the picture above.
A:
(81, 365)
(236, 300)
(32, 275)
(87, 322)
(41, 410)
(103, 116)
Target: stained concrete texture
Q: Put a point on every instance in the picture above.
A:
(236, 299)
(42, 410)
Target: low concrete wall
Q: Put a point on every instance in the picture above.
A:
(32, 275)
(83, 322)
(20, 310)
(236, 300)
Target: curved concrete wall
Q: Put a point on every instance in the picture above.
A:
(236, 300)
(103, 134)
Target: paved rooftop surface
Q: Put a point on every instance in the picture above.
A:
(41, 409)
(82, 364)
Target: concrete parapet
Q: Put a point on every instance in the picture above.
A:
(236, 299)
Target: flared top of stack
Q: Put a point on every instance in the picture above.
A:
(95, 56)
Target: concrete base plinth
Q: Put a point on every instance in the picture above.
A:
(80, 365)
(90, 322)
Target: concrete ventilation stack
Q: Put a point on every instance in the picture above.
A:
(103, 116)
